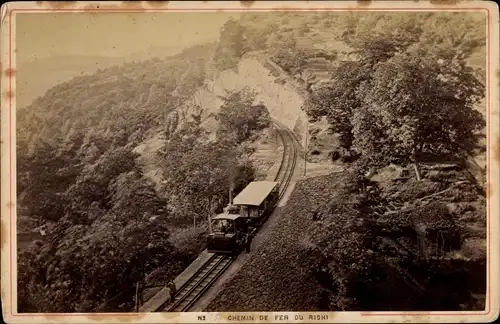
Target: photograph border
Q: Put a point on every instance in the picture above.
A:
(8, 162)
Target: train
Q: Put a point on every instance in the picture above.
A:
(233, 230)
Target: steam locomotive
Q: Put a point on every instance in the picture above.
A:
(234, 229)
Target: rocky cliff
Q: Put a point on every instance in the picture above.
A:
(283, 99)
(279, 93)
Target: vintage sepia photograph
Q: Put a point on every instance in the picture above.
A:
(251, 165)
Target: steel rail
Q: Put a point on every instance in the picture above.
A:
(202, 279)
(289, 159)
(165, 305)
(199, 283)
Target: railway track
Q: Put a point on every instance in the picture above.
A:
(287, 166)
(199, 283)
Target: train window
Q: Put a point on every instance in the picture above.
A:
(232, 209)
(254, 212)
(222, 226)
(245, 211)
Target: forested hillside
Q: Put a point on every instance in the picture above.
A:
(388, 90)
(35, 77)
(104, 224)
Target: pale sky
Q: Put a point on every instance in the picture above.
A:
(42, 35)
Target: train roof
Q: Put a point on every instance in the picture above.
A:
(227, 216)
(255, 193)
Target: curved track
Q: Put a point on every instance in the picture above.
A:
(195, 287)
(289, 159)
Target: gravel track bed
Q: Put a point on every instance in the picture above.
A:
(276, 276)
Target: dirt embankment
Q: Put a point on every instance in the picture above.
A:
(276, 277)
(402, 240)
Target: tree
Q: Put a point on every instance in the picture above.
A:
(255, 38)
(86, 264)
(287, 54)
(78, 174)
(171, 123)
(416, 103)
(239, 119)
(338, 100)
(379, 36)
(400, 96)
(462, 32)
(209, 178)
(197, 172)
(92, 184)
(375, 41)
(43, 178)
(231, 45)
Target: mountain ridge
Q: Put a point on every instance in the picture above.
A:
(39, 76)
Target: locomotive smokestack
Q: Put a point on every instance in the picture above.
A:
(231, 194)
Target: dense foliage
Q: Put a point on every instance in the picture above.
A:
(106, 223)
(391, 77)
(199, 173)
(239, 118)
(231, 47)
(400, 95)
(289, 56)
(387, 255)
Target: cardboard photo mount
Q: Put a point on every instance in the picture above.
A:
(11, 15)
